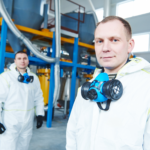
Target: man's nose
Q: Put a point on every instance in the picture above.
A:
(106, 46)
(22, 60)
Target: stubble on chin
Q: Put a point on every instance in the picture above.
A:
(22, 67)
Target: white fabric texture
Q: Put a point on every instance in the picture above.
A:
(125, 126)
(19, 101)
(1, 113)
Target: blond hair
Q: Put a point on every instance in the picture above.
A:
(123, 21)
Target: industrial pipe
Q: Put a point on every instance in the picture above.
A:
(58, 48)
(107, 8)
(94, 12)
(20, 36)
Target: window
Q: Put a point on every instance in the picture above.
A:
(132, 8)
(141, 42)
(99, 13)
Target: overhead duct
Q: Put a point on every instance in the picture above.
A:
(58, 48)
(107, 8)
(94, 12)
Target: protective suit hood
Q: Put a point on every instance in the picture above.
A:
(134, 65)
(13, 68)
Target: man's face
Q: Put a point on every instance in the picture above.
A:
(21, 61)
(111, 45)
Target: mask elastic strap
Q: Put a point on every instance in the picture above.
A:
(107, 105)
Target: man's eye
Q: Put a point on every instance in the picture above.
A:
(99, 41)
(114, 40)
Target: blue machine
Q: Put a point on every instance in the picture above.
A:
(86, 31)
(25, 13)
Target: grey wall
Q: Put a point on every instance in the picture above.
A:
(140, 23)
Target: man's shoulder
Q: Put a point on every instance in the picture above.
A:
(6, 74)
(143, 74)
(5, 77)
(146, 71)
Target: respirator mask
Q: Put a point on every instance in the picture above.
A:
(102, 90)
(25, 78)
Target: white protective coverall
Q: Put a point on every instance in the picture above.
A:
(19, 100)
(125, 126)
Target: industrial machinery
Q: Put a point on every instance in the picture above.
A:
(44, 77)
(25, 13)
(27, 18)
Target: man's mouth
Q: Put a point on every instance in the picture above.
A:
(108, 57)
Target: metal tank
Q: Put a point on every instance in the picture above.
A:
(25, 13)
(44, 78)
(86, 31)
(65, 89)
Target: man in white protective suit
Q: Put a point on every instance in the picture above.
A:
(126, 124)
(20, 98)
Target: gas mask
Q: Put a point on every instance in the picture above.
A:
(25, 78)
(102, 90)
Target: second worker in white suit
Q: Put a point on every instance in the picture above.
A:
(20, 98)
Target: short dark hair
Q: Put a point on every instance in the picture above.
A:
(20, 52)
(123, 21)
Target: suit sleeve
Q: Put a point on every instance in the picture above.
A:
(4, 90)
(146, 144)
(72, 123)
(38, 100)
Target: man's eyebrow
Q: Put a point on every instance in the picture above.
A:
(113, 37)
(97, 38)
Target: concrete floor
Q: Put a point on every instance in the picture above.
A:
(50, 138)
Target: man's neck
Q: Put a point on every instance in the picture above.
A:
(109, 71)
(21, 70)
(114, 71)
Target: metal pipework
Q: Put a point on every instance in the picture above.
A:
(94, 12)
(20, 36)
(107, 8)
(58, 48)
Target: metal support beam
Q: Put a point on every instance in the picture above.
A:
(89, 60)
(45, 16)
(48, 52)
(3, 45)
(11, 3)
(51, 89)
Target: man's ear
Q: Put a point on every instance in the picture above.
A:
(131, 44)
